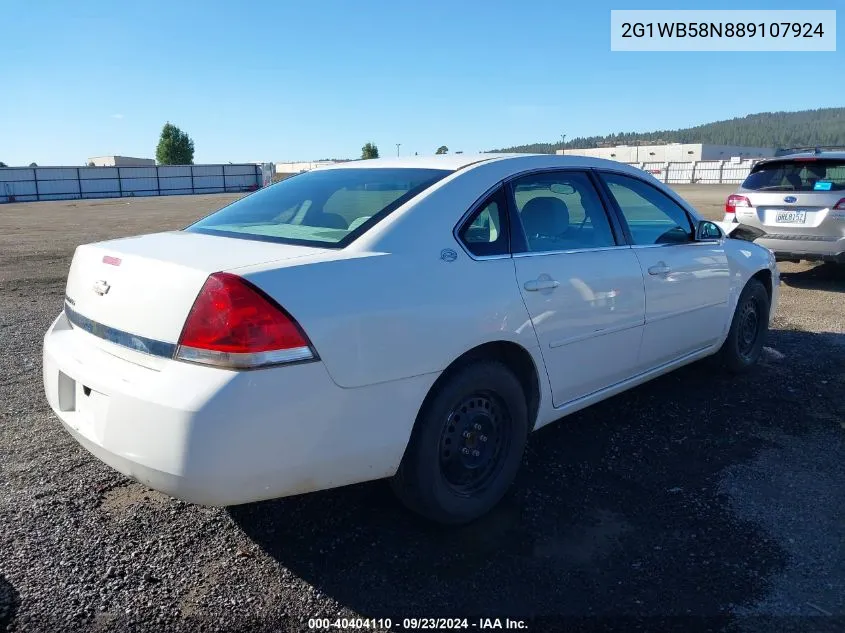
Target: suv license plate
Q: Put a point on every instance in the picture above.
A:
(791, 217)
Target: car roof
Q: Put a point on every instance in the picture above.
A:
(451, 162)
(454, 162)
(823, 154)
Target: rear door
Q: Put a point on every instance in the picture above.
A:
(795, 196)
(581, 285)
(687, 283)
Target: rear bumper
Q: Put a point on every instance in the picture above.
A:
(813, 248)
(219, 437)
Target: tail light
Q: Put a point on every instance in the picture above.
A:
(233, 324)
(840, 206)
(735, 201)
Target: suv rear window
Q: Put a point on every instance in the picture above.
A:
(327, 208)
(813, 174)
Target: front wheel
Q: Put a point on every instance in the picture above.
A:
(466, 446)
(749, 327)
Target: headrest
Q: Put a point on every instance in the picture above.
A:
(545, 216)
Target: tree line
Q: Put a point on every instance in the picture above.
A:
(175, 147)
(824, 126)
(370, 150)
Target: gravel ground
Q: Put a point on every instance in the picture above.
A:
(695, 502)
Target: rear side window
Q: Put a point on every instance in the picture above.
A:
(560, 211)
(797, 175)
(328, 208)
(485, 233)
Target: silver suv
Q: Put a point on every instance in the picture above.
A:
(797, 202)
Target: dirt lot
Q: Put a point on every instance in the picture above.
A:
(695, 502)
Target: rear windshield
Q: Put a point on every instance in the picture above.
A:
(328, 208)
(797, 175)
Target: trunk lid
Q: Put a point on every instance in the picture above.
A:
(800, 212)
(145, 286)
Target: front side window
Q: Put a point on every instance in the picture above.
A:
(652, 217)
(797, 175)
(319, 208)
(485, 232)
(560, 211)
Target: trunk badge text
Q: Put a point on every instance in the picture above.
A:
(101, 287)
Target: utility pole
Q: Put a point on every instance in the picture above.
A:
(563, 143)
(397, 149)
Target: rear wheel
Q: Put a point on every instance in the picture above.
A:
(749, 327)
(466, 446)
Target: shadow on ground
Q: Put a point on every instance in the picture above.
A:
(616, 512)
(830, 277)
(9, 603)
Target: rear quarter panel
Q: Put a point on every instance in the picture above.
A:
(375, 317)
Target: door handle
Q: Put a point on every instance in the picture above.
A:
(541, 284)
(659, 269)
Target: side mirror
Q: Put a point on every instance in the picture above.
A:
(707, 230)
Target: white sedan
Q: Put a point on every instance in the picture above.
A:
(405, 318)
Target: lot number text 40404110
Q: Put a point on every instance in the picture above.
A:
(417, 624)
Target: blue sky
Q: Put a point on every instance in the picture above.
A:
(290, 80)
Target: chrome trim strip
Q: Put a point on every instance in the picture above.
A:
(184, 353)
(119, 337)
(670, 315)
(572, 251)
(483, 258)
(595, 333)
(690, 243)
(794, 237)
(243, 360)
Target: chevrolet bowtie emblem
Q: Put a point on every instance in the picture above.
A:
(101, 287)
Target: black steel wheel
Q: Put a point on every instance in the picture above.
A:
(749, 327)
(476, 434)
(466, 446)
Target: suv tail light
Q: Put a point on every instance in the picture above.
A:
(839, 206)
(233, 324)
(735, 201)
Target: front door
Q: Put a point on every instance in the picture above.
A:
(583, 289)
(687, 283)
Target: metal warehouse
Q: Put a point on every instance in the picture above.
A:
(672, 152)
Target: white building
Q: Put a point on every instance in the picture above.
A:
(121, 161)
(672, 152)
(290, 169)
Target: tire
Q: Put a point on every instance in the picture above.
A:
(749, 328)
(449, 477)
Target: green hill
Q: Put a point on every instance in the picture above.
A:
(768, 129)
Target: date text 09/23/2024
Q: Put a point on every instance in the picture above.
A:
(416, 624)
